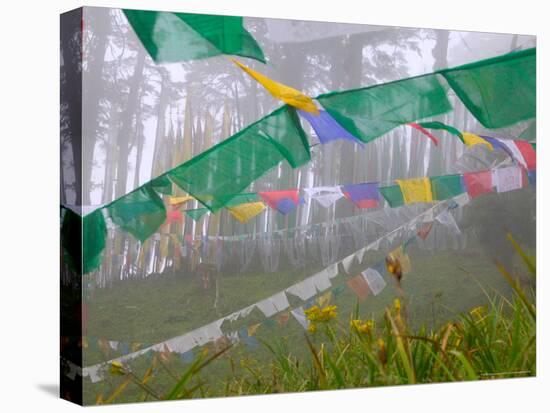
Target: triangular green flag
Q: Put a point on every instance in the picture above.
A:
(499, 91)
(177, 37)
(196, 214)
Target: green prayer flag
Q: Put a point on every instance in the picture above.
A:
(369, 112)
(217, 175)
(176, 37)
(447, 186)
(196, 214)
(243, 198)
(393, 195)
(162, 185)
(442, 126)
(83, 240)
(141, 212)
(500, 91)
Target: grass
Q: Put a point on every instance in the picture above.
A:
(448, 328)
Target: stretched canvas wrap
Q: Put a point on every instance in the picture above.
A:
(254, 205)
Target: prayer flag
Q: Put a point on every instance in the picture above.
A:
(370, 112)
(300, 317)
(283, 201)
(478, 183)
(424, 131)
(359, 286)
(179, 200)
(245, 212)
(528, 153)
(400, 256)
(326, 128)
(447, 186)
(364, 195)
(532, 175)
(508, 179)
(282, 92)
(177, 37)
(196, 214)
(416, 190)
(393, 195)
(442, 126)
(499, 91)
(374, 280)
(471, 139)
(325, 195)
(424, 231)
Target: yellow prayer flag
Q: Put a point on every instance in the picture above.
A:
(285, 93)
(245, 212)
(416, 190)
(174, 200)
(471, 139)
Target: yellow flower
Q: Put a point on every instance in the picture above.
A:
(117, 368)
(397, 305)
(312, 328)
(326, 313)
(362, 327)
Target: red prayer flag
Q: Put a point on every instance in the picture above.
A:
(272, 198)
(359, 286)
(528, 154)
(424, 231)
(478, 183)
(424, 131)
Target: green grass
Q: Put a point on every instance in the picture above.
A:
(433, 338)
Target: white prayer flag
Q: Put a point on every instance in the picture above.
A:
(447, 219)
(508, 179)
(304, 289)
(300, 317)
(374, 280)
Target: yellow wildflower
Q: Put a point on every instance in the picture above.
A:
(312, 328)
(397, 305)
(326, 313)
(362, 327)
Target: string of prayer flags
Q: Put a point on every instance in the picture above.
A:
(245, 212)
(324, 195)
(447, 186)
(326, 128)
(374, 280)
(179, 37)
(424, 132)
(370, 112)
(508, 179)
(442, 126)
(359, 286)
(471, 139)
(304, 289)
(499, 91)
(282, 92)
(283, 201)
(140, 212)
(478, 183)
(366, 195)
(416, 190)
